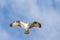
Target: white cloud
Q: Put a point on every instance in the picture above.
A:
(3, 3)
(3, 34)
(57, 0)
(2, 17)
(49, 18)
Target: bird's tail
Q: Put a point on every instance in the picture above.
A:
(26, 32)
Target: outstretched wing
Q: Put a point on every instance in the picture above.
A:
(35, 24)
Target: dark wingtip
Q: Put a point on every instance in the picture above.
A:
(10, 25)
(35, 22)
(39, 25)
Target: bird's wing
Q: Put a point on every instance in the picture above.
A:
(35, 24)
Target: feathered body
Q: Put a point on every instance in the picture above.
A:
(26, 26)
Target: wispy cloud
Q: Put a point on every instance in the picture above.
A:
(48, 18)
(28, 10)
(4, 34)
(3, 3)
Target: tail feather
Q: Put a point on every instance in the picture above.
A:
(26, 32)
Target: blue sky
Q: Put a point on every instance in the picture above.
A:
(47, 12)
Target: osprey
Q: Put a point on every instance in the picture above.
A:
(26, 26)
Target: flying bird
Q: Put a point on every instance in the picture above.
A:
(26, 26)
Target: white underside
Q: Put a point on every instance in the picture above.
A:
(24, 25)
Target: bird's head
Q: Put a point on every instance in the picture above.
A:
(16, 23)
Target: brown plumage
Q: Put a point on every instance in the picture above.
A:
(26, 26)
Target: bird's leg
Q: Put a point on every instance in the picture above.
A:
(26, 32)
